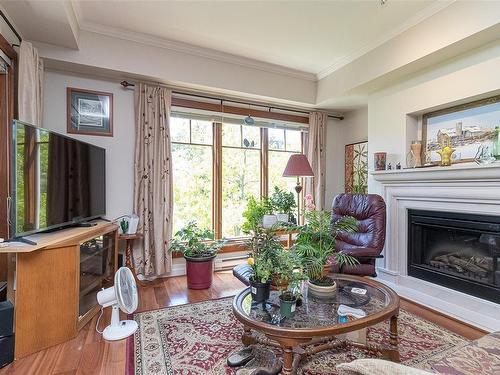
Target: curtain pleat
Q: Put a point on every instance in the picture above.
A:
(315, 148)
(153, 192)
(30, 87)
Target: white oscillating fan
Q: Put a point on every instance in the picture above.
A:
(122, 295)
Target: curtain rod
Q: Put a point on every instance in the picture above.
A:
(12, 28)
(128, 84)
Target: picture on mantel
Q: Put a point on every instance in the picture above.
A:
(356, 168)
(465, 128)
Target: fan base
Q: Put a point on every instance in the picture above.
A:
(124, 329)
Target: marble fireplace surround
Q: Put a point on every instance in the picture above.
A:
(465, 188)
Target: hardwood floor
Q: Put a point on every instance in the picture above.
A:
(88, 353)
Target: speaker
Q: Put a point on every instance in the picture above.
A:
(6, 318)
(6, 350)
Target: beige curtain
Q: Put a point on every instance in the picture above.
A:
(30, 92)
(153, 199)
(315, 148)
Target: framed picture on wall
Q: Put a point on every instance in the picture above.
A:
(356, 167)
(464, 127)
(89, 112)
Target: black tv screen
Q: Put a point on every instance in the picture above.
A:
(56, 180)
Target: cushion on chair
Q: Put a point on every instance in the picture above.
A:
(377, 367)
(369, 210)
(243, 272)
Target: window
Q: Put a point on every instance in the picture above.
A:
(192, 162)
(282, 143)
(217, 166)
(241, 166)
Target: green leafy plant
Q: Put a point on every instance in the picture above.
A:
(282, 201)
(195, 242)
(124, 226)
(265, 250)
(315, 243)
(253, 214)
(288, 273)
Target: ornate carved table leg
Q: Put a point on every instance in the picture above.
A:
(393, 339)
(247, 338)
(287, 361)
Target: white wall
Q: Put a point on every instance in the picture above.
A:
(470, 77)
(143, 61)
(119, 148)
(354, 128)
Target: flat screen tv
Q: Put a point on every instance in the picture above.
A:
(57, 181)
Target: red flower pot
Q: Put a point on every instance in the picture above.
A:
(199, 272)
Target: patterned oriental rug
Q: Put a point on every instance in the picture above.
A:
(196, 339)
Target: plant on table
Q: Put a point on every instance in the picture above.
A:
(283, 203)
(199, 248)
(315, 244)
(264, 251)
(289, 275)
(254, 214)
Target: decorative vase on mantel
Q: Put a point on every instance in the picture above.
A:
(445, 154)
(416, 149)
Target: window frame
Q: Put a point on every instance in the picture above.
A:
(217, 146)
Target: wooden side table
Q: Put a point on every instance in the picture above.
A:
(129, 242)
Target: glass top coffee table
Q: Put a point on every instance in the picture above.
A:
(315, 325)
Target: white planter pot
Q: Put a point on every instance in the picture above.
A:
(269, 220)
(282, 218)
(321, 291)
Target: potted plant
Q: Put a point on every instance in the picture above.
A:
(269, 219)
(253, 215)
(259, 213)
(315, 244)
(199, 248)
(283, 204)
(289, 274)
(264, 249)
(288, 303)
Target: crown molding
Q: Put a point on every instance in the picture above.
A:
(425, 13)
(194, 50)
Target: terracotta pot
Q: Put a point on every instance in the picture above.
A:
(199, 272)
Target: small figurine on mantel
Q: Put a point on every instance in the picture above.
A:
(389, 166)
(398, 166)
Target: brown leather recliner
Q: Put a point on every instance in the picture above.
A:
(367, 243)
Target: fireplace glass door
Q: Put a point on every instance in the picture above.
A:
(459, 251)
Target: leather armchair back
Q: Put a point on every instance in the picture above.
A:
(370, 211)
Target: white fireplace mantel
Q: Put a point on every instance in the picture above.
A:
(466, 188)
(454, 173)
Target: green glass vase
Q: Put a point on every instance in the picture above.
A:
(496, 143)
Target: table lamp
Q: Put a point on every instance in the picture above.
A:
(298, 166)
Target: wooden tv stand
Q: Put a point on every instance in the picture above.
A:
(53, 284)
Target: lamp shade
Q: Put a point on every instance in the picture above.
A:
(298, 166)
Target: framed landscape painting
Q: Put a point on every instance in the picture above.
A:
(465, 128)
(356, 167)
(89, 112)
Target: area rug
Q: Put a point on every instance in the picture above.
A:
(195, 339)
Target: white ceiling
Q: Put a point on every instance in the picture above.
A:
(309, 36)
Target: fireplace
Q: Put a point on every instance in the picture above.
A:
(456, 250)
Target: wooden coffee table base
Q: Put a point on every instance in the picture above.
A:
(296, 349)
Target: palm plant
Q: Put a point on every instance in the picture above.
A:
(315, 243)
